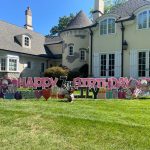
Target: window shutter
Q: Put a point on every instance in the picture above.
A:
(118, 64)
(96, 65)
(134, 64)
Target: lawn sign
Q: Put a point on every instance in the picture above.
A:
(101, 88)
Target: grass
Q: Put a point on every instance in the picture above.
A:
(81, 125)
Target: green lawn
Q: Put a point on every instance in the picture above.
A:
(81, 125)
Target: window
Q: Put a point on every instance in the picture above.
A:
(42, 67)
(144, 64)
(144, 20)
(82, 55)
(2, 64)
(71, 51)
(107, 65)
(26, 41)
(29, 65)
(9, 63)
(107, 26)
(12, 65)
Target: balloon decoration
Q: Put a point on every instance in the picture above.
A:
(46, 94)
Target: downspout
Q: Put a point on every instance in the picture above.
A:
(122, 51)
(91, 54)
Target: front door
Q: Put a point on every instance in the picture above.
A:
(107, 65)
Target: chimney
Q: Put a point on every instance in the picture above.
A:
(28, 14)
(98, 9)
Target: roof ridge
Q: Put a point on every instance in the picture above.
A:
(21, 27)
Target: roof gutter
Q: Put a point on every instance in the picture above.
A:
(87, 27)
(132, 17)
(24, 53)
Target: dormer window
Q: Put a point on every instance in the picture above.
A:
(26, 41)
(143, 21)
(107, 26)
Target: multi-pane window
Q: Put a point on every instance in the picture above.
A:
(27, 41)
(70, 50)
(107, 26)
(144, 20)
(2, 64)
(103, 65)
(12, 64)
(9, 63)
(111, 26)
(144, 64)
(82, 55)
(103, 27)
(111, 65)
(107, 63)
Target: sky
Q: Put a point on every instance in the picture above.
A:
(45, 12)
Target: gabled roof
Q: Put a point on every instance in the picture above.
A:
(49, 40)
(128, 8)
(11, 35)
(80, 21)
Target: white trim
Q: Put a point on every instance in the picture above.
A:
(106, 18)
(23, 41)
(137, 20)
(8, 57)
(107, 63)
(134, 70)
(146, 7)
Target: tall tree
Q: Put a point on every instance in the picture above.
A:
(62, 24)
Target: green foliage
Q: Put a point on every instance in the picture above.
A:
(115, 3)
(62, 24)
(81, 125)
(56, 72)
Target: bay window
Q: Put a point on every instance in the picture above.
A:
(107, 26)
(9, 63)
(2, 64)
(12, 64)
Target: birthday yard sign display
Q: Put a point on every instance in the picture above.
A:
(28, 88)
(102, 88)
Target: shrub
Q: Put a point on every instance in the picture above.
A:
(56, 72)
